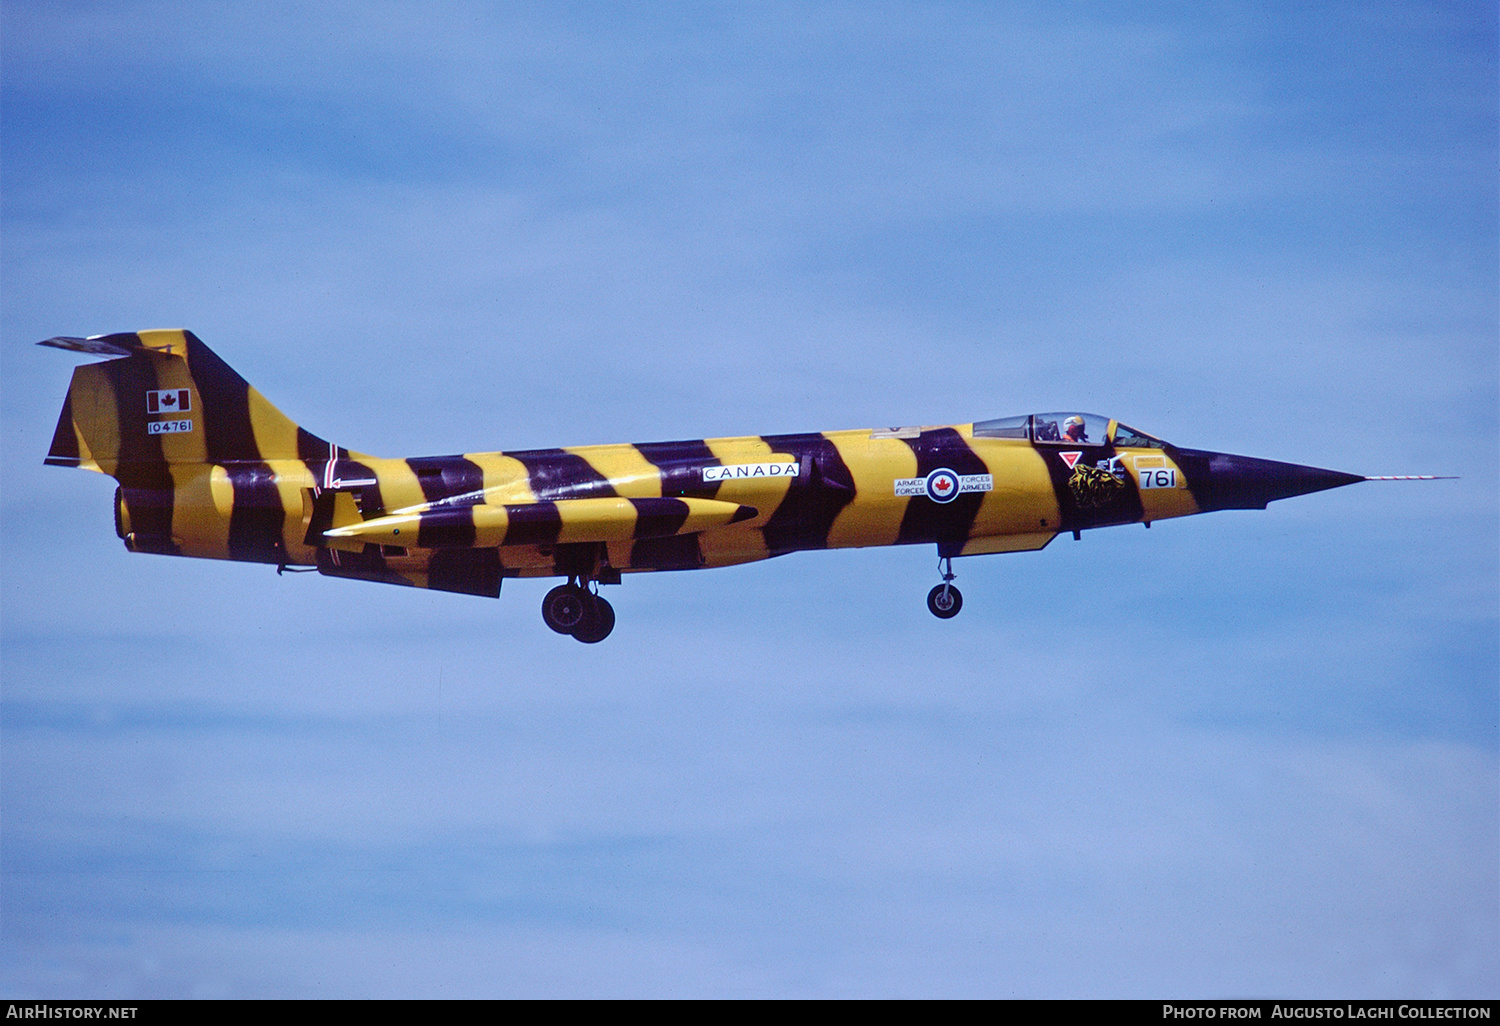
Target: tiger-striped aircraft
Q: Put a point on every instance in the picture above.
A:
(207, 467)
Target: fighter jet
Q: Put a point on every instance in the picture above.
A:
(207, 467)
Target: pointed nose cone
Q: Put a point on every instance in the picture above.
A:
(1222, 481)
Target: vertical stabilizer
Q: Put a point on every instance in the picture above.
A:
(201, 457)
(170, 400)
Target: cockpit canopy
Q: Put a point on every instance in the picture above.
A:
(1067, 428)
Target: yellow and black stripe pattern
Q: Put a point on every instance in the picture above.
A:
(207, 467)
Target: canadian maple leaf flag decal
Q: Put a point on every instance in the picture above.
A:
(169, 400)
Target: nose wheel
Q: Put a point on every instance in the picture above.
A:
(572, 609)
(945, 600)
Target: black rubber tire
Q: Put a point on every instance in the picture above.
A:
(597, 623)
(565, 607)
(945, 608)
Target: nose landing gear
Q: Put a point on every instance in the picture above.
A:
(945, 600)
(573, 609)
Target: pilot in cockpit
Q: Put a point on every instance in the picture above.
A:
(1074, 431)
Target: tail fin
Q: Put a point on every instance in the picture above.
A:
(207, 467)
(189, 442)
(171, 400)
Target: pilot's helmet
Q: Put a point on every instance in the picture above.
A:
(1073, 428)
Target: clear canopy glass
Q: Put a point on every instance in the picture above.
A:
(1005, 427)
(1066, 428)
(1070, 428)
(1130, 438)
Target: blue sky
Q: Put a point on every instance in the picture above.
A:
(1243, 754)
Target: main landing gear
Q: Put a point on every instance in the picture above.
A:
(573, 609)
(945, 600)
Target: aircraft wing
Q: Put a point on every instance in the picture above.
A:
(541, 523)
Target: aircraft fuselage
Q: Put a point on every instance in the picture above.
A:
(207, 467)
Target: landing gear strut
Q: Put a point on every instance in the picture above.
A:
(945, 600)
(573, 609)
